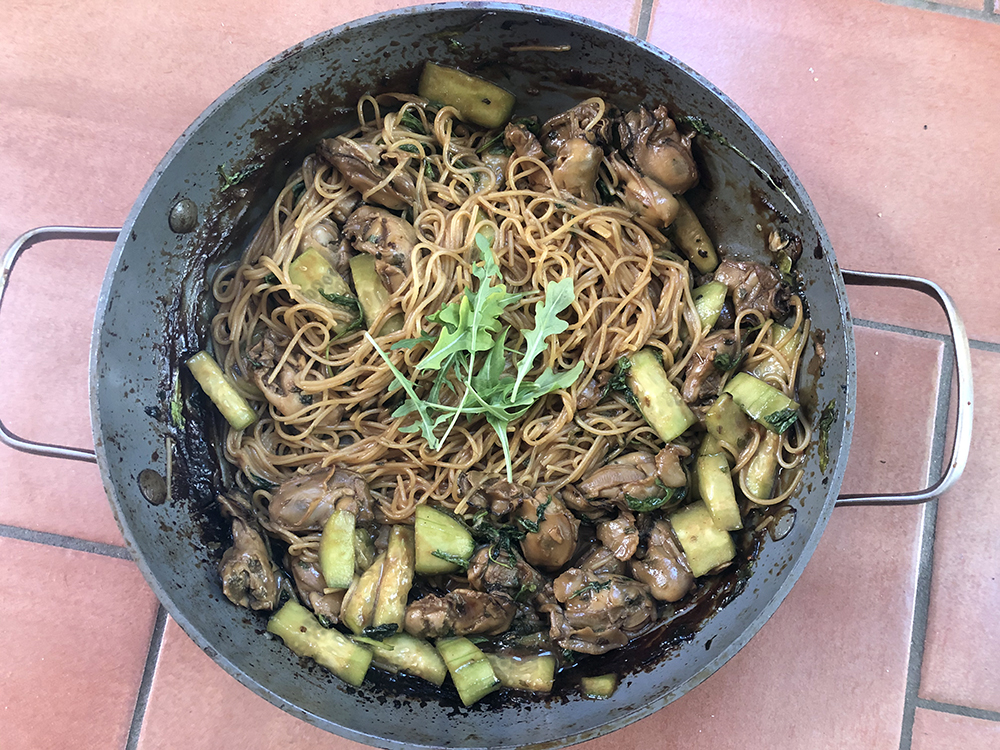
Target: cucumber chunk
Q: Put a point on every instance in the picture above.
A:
(221, 391)
(358, 607)
(715, 485)
(599, 686)
(477, 100)
(438, 532)
(372, 295)
(726, 422)
(397, 578)
(789, 344)
(764, 403)
(302, 633)
(705, 545)
(535, 673)
(763, 468)
(709, 300)
(469, 668)
(404, 653)
(659, 400)
(336, 550)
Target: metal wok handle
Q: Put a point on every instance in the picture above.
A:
(963, 368)
(22, 243)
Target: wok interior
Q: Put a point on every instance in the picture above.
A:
(272, 119)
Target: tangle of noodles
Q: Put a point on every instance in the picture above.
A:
(631, 291)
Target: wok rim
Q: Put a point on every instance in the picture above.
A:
(790, 575)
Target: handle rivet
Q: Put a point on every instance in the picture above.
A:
(153, 486)
(183, 216)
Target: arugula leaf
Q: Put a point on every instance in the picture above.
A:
(469, 327)
(413, 403)
(558, 296)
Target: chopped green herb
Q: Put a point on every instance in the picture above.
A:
(349, 303)
(297, 190)
(782, 420)
(531, 124)
(271, 279)
(262, 483)
(489, 143)
(526, 591)
(826, 420)
(458, 560)
(379, 632)
(236, 177)
(728, 362)
(412, 123)
(592, 587)
(532, 527)
(409, 148)
(606, 193)
(671, 496)
(429, 172)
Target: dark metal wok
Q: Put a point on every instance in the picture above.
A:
(208, 195)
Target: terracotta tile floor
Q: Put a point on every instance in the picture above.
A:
(889, 116)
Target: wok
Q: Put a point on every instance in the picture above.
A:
(211, 191)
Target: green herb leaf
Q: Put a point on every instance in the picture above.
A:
(458, 560)
(558, 296)
(826, 420)
(782, 420)
(728, 362)
(411, 122)
(591, 588)
(379, 632)
(671, 496)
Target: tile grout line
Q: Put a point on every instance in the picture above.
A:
(874, 325)
(64, 542)
(925, 565)
(146, 684)
(642, 24)
(951, 708)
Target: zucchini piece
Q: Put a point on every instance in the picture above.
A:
(302, 633)
(769, 367)
(397, 578)
(715, 484)
(372, 294)
(221, 391)
(469, 668)
(336, 550)
(659, 400)
(358, 606)
(438, 532)
(404, 653)
(599, 686)
(708, 301)
(477, 100)
(535, 673)
(764, 403)
(727, 423)
(319, 282)
(763, 468)
(705, 545)
(364, 550)
(691, 237)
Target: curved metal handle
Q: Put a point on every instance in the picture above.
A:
(963, 368)
(22, 243)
